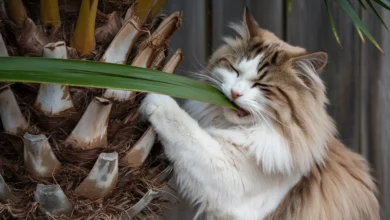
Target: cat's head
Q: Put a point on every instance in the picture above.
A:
(267, 78)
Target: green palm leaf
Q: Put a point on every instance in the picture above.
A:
(376, 13)
(347, 7)
(107, 75)
(333, 26)
(362, 4)
(384, 3)
(289, 6)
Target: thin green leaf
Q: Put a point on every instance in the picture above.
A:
(289, 6)
(107, 75)
(360, 34)
(376, 13)
(362, 4)
(383, 3)
(347, 7)
(332, 23)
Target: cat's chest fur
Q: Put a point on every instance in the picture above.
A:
(255, 194)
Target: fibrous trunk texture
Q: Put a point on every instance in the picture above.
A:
(82, 153)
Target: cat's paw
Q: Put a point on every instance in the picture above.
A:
(154, 103)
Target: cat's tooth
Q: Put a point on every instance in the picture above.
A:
(102, 179)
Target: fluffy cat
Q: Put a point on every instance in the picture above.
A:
(276, 157)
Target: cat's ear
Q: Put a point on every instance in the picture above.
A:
(251, 24)
(318, 60)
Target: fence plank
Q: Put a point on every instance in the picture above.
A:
(269, 15)
(376, 105)
(192, 36)
(308, 26)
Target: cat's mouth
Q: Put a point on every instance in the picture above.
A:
(242, 112)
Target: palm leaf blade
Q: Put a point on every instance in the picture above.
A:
(376, 13)
(333, 26)
(347, 7)
(383, 3)
(106, 75)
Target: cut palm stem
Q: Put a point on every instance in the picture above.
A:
(158, 60)
(140, 205)
(11, 116)
(102, 179)
(83, 39)
(109, 30)
(3, 48)
(39, 159)
(167, 27)
(120, 47)
(156, 41)
(16, 12)
(50, 15)
(91, 130)
(144, 57)
(164, 175)
(173, 63)
(144, 60)
(54, 99)
(52, 200)
(140, 151)
(142, 9)
(118, 52)
(5, 192)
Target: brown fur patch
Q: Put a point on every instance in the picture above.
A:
(341, 189)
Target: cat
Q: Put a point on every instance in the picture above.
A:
(276, 156)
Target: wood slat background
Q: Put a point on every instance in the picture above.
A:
(357, 76)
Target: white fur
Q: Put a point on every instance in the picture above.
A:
(234, 168)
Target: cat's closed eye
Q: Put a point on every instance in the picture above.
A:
(226, 63)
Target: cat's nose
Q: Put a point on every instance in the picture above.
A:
(235, 94)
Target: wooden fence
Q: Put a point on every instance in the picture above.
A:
(357, 76)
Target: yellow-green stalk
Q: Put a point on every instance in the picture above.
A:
(142, 8)
(50, 14)
(83, 39)
(157, 7)
(16, 11)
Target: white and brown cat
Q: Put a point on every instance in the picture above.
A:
(274, 158)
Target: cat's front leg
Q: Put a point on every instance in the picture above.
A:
(199, 160)
(170, 121)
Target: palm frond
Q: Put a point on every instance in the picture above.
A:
(107, 75)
